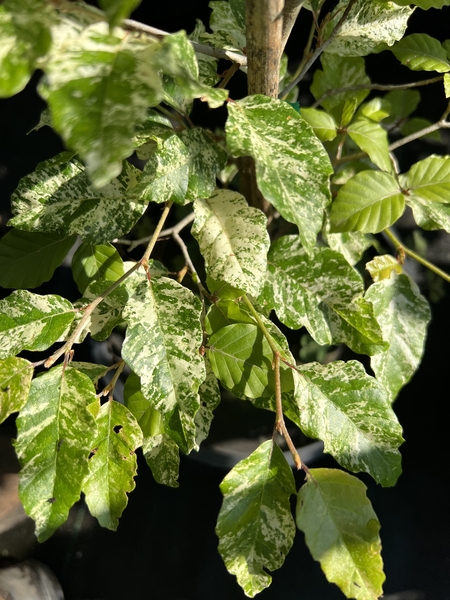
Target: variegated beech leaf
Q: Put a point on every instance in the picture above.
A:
(369, 202)
(55, 433)
(32, 322)
(207, 65)
(403, 314)
(57, 198)
(112, 463)
(371, 138)
(350, 412)
(350, 244)
(162, 346)
(292, 167)
(345, 539)
(209, 393)
(369, 24)
(255, 525)
(421, 52)
(183, 168)
(233, 240)
(322, 293)
(99, 86)
(25, 37)
(229, 21)
(15, 380)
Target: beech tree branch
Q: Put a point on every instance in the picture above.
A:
(290, 13)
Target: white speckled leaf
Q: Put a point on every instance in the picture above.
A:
(55, 432)
(403, 314)
(335, 70)
(322, 293)
(163, 457)
(183, 168)
(223, 19)
(350, 244)
(369, 24)
(233, 240)
(98, 87)
(112, 463)
(371, 138)
(96, 262)
(15, 379)
(207, 65)
(32, 322)
(25, 37)
(162, 346)
(209, 393)
(421, 52)
(341, 532)
(292, 166)
(255, 525)
(350, 412)
(58, 198)
(118, 9)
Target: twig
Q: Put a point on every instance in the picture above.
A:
(318, 51)
(162, 234)
(120, 366)
(290, 13)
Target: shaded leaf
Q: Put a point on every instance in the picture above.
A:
(209, 393)
(207, 65)
(345, 538)
(15, 380)
(403, 103)
(403, 314)
(55, 431)
(112, 463)
(255, 525)
(32, 322)
(371, 138)
(163, 457)
(321, 122)
(416, 124)
(118, 9)
(28, 259)
(229, 18)
(292, 167)
(421, 52)
(233, 240)
(92, 263)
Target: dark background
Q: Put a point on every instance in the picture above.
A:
(165, 547)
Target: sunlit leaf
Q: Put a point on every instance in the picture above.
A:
(376, 109)
(351, 244)
(322, 123)
(371, 138)
(15, 379)
(421, 52)
(229, 18)
(381, 267)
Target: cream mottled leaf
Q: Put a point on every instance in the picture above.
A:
(255, 525)
(162, 346)
(99, 87)
(209, 393)
(350, 244)
(25, 37)
(350, 412)
(32, 322)
(28, 258)
(15, 379)
(368, 24)
(227, 19)
(163, 457)
(371, 138)
(207, 65)
(58, 198)
(341, 532)
(94, 262)
(117, 10)
(183, 168)
(233, 240)
(421, 52)
(369, 202)
(322, 293)
(55, 432)
(112, 463)
(403, 314)
(292, 167)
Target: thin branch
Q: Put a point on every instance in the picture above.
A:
(290, 13)
(162, 234)
(376, 86)
(318, 51)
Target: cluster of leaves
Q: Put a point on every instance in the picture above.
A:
(112, 91)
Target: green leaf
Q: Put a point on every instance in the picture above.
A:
(93, 370)
(32, 322)
(233, 240)
(403, 103)
(447, 85)
(255, 525)
(322, 293)
(118, 10)
(112, 463)
(28, 259)
(376, 109)
(57, 198)
(345, 538)
(403, 314)
(241, 359)
(416, 124)
(156, 128)
(25, 37)
(92, 263)
(421, 52)
(55, 431)
(321, 122)
(369, 202)
(371, 138)
(368, 24)
(229, 18)
(428, 180)
(148, 418)
(207, 65)
(163, 457)
(183, 168)
(425, 4)
(99, 86)
(162, 346)
(349, 411)
(381, 267)
(292, 167)
(15, 379)
(336, 70)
